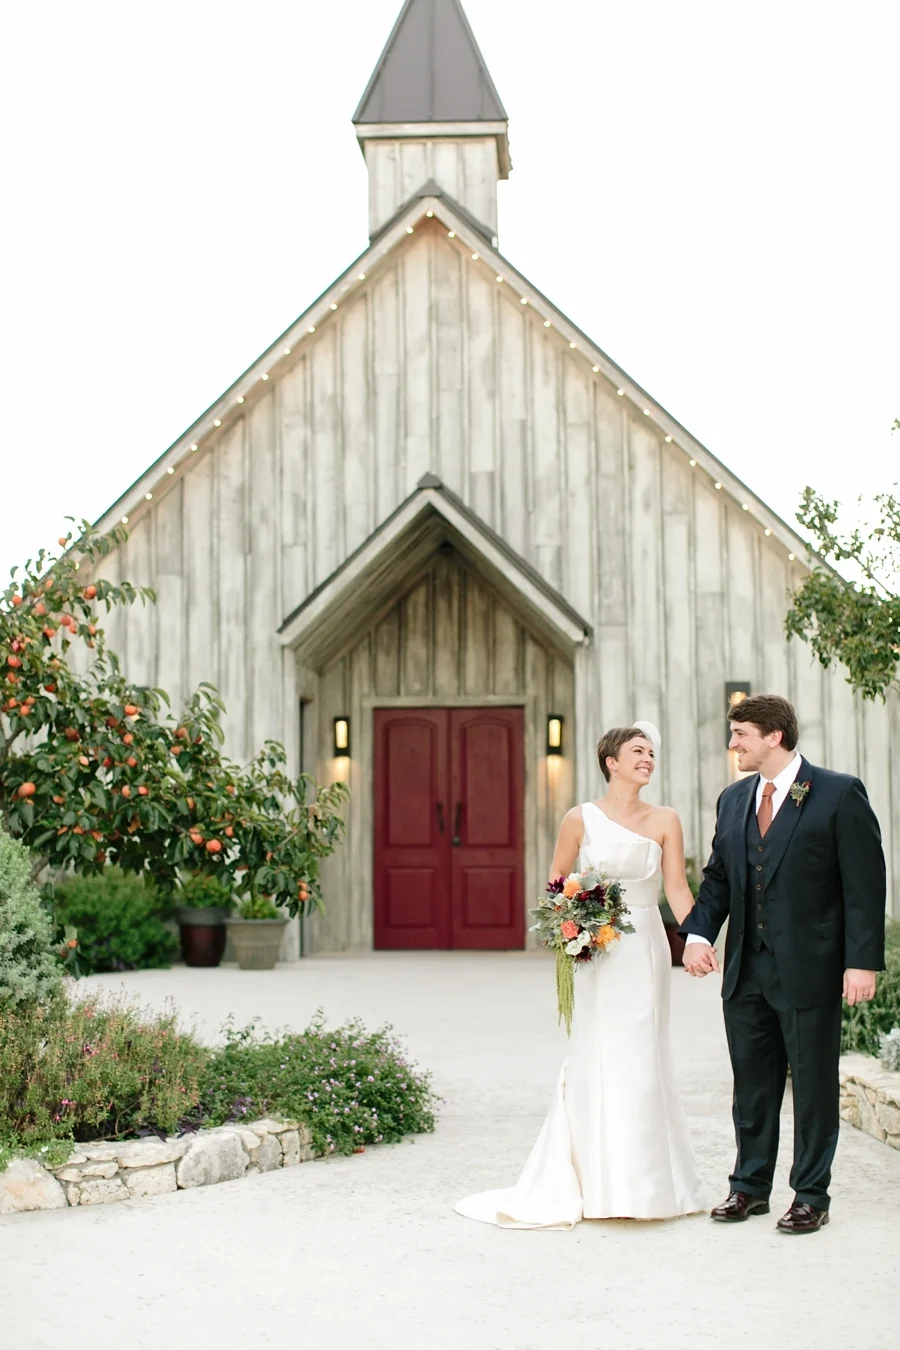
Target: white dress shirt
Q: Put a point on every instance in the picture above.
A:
(783, 781)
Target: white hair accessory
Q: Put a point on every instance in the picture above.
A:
(652, 734)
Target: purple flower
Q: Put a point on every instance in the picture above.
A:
(556, 887)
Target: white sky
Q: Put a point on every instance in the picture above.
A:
(710, 190)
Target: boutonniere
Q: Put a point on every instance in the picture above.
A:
(799, 793)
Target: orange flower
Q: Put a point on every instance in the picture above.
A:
(571, 888)
(569, 930)
(605, 935)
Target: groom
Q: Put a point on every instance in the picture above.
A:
(797, 869)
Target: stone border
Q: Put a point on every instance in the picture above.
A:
(870, 1098)
(101, 1173)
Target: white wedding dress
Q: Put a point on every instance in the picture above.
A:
(615, 1142)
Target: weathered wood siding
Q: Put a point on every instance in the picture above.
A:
(434, 365)
(466, 167)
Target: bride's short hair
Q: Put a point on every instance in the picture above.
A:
(611, 743)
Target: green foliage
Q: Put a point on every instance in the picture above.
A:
(203, 890)
(29, 969)
(259, 907)
(854, 622)
(350, 1087)
(117, 919)
(892, 935)
(94, 770)
(865, 1023)
(94, 1070)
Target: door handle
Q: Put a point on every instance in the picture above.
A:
(440, 817)
(456, 840)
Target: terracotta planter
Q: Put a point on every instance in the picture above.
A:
(676, 944)
(256, 942)
(202, 933)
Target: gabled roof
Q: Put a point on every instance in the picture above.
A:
(431, 70)
(370, 580)
(475, 249)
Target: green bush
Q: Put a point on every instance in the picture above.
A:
(29, 969)
(351, 1087)
(94, 1070)
(117, 918)
(259, 907)
(892, 935)
(201, 890)
(865, 1023)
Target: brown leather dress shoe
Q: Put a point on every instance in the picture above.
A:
(802, 1218)
(738, 1207)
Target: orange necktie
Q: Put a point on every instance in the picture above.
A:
(764, 814)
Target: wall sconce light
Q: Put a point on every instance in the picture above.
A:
(735, 692)
(341, 736)
(554, 734)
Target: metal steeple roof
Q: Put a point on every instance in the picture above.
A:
(430, 71)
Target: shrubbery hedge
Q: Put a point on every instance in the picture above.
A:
(118, 918)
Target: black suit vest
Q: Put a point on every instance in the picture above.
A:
(756, 921)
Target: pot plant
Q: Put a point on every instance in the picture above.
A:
(203, 903)
(256, 933)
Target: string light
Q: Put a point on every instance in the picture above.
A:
(410, 230)
(572, 345)
(429, 213)
(451, 234)
(745, 507)
(524, 300)
(264, 376)
(668, 440)
(287, 351)
(217, 422)
(546, 323)
(790, 557)
(148, 496)
(194, 446)
(718, 487)
(312, 328)
(693, 464)
(595, 369)
(474, 257)
(240, 398)
(620, 391)
(768, 532)
(124, 520)
(499, 278)
(170, 470)
(334, 306)
(362, 276)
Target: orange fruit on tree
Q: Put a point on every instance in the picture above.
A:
(17, 600)
(191, 803)
(214, 846)
(131, 762)
(182, 733)
(126, 791)
(48, 584)
(49, 631)
(83, 760)
(60, 801)
(14, 661)
(128, 738)
(78, 829)
(40, 609)
(131, 710)
(62, 541)
(229, 832)
(143, 791)
(196, 837)
(50, 688)
(70, 734)
(90, 592)
(26, 790)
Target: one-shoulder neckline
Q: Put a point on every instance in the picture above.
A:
(624, 828)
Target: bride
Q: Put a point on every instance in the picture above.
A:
(615, 1142)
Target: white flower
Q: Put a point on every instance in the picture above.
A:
(582, 940)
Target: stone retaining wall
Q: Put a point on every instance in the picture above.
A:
(98, 1174)
(870, 1098)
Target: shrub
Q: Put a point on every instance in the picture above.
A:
(258, 907)
(117, 918)
(865, 1023)
(94, 1070)
(889, 1052)
(202, 890)
(29, 969)
(351, 1087)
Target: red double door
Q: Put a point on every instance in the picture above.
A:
(449, 810)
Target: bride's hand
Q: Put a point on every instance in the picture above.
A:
(700, 960)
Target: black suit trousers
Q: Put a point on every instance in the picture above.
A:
(765, 1034)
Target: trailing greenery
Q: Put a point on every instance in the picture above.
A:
(108, 1069)
(118, 920)
(350, 1086)
(865, 1023)
(30, 971)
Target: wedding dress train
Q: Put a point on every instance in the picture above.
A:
(615, 1142)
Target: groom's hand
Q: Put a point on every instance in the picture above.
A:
(859, 986)
(699, 959)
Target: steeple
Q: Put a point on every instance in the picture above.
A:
(431, 111)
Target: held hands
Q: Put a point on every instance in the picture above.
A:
(859, 986)
(699, 959)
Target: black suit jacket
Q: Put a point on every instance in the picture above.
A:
(825, 885)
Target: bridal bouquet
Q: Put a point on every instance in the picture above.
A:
(579, 918)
